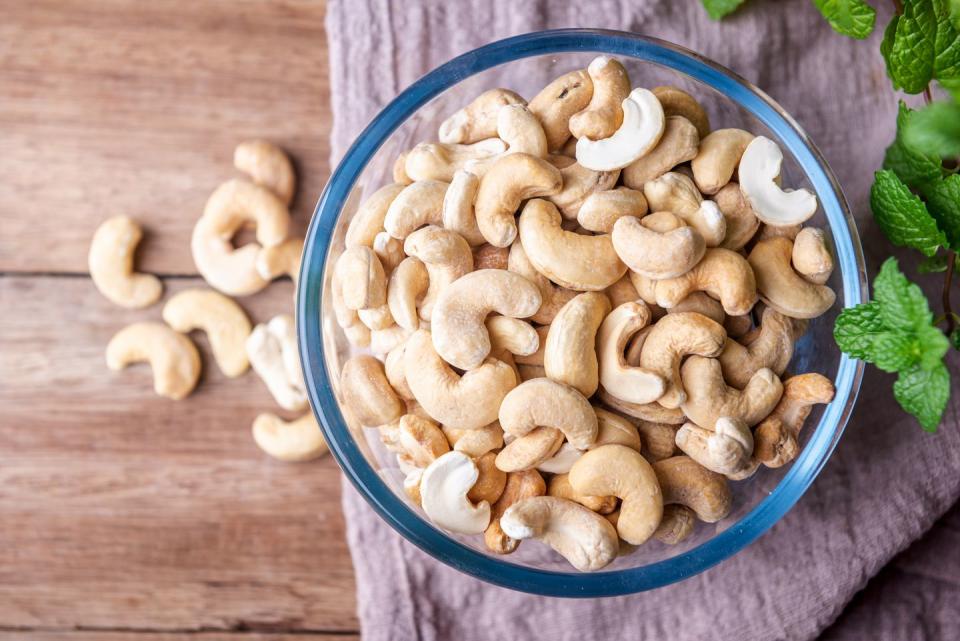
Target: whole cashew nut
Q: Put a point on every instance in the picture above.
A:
(632, 384)
(571, 260)
(603, 115)
(680, 142)
(475, 442)
(521, 130)
(512, 335)
(723, 274)
(561, 462)
(419, 204)
(224, 322)
(519, 486)
(440, 161)
(446, 256)
(758, 172)
(367, 393)
(676, 193)
(677, 102)
(478, 120)
(684, 481)
(172, 356)
(361, 279)
(702, 304)
(579, 183)
(268, 166)
(491, 481)
(615, 470)
(232, 205)
(741, 222)
(297, 440)
(601, 209)
(459, 334)
(773, 349)
(811, 257)
(465, 402)
(672, 338)
(560, 487)
(781, 287)
(546, 403)
(389, 251)
(725, 450)
(557, 102)
(552, 297)
(487, 256)
(677, 524)
(642, 127)
(511, 180)
(653, 412)
(406, 288)
(777, 436)
(368, 221)
(583, 537)
(111, 265)
(570, 355)
(443, 491)
(654, 254)
(709, 398)
(421, 440)
(531, 450)
(613, 429)
(719, 155)
(458, 212)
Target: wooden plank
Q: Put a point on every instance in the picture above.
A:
(70, 635)
(134, 107)
(123, 510)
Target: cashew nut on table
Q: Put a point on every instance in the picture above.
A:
(583, 332)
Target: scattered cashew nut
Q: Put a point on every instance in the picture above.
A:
(172, 356)
(111, 265)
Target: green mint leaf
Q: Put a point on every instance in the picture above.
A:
(946, 65)
(902, 216)
(933, 265)
(943, 202)
(895, 351)
(935, 129)
(955, 339)
(857, 330)
(931, 345)
(924, 394)
(915, 166)
(903, 307)
(955, 13)
(854, 18)
(909, 46)
(717, 9)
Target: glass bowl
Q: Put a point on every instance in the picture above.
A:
(526, 64)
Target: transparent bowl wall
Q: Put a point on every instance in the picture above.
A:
(526, 64)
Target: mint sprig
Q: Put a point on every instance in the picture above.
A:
(902, 216)
(935, 129)
(915, 166)
(853, 18)
(717, 9)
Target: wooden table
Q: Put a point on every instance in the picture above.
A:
(124, 515)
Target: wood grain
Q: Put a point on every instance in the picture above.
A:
(35, 635)
(119, 106)
(119, 508)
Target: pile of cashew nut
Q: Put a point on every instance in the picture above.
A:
(271, 348)
(572, 317)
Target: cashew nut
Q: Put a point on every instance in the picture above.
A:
(268, 166)
(281, 260)
(631, 384)
(439, 161)
(603, 115)
(702, 304)
(725, 450)
(521, 130)
(719, 155)
(395, 372)
(457, 213)
(601, 209)
(653, 412)
(399, 175)
(578, 184)
(559, 487)
(459, 334)
(297, 440)
(676, 525)
(407, 286)
(613, 429)
(224, 322)
(686, 482)
(615, 470)
(723, 274)
(741, 222)
(383, 341)
(356, 332)
(512, 179)
(530, 450)
(231, 206)
(709, 398)
(676, 193)
(672, 338)
(368, 221)
(536, 358)
(583, 537)
(475, 442)
(360, 277)
(487, 256)
(376, 318)
(512, 335)
(478, 120)
(490, 481)
(519, 486)
(680, 143)
(776, 437)
(773, 349)
(466, 402)
(367, 393)
(677, 102)
(443, 491)
(561, 462)
(389, 251)
(781, 287)
(758, 172)
(552, 297)
(111, 265)
(557, 102)
(811, 257)
(446, 256)
(642, 127)
(655, 254)
(172, 356)
(419, 204)
(543, 402)
(570, 355)
(569, 259)
(272, 350)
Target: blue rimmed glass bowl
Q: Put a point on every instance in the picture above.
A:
(526, 64)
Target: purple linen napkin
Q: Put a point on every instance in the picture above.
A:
(886, 484)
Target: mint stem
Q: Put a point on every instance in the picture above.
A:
(947, 282)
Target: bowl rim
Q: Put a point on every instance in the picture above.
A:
(395, 510)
